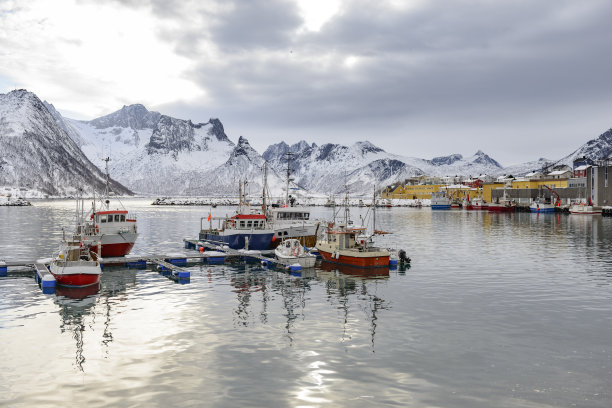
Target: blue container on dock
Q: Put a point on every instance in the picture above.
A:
(177, 261)
(48, 281)
(392, 262)
(48, 291)
(3, 269)
(184, 274)
(216, 260)
(137, 264)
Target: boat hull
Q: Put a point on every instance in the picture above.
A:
(584, 210)
(440, 206)
(501, 208)
(75, 276)
(542, 209)
(257, 241)
(306, 261)
(307, 240)
(345, 258)
(113, 245)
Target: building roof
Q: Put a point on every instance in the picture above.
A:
(558, 172)
(583, 167)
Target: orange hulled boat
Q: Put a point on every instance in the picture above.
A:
(346, 245)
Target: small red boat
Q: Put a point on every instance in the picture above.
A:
(74, 265)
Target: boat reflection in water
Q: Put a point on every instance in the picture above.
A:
(76, 303)
(355, 270)
(80, 292)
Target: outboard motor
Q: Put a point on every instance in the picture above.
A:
(401, 254)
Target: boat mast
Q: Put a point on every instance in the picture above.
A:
(107, 190)
(374, 212)
(289, 156)
(265, 186)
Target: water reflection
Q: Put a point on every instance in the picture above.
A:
(348, 281)
(80, 307)
(75, 304)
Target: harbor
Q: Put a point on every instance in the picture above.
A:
(456, 311)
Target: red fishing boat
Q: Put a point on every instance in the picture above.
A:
(113, 228)
(350, 246)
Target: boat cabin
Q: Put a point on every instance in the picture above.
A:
(346, 238)
(104, 217)
(291, 214)
(247, 221)
(112, 220)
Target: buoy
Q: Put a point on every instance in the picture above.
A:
(3, 269)
(201, 249)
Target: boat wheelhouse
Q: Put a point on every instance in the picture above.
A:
(242, 231)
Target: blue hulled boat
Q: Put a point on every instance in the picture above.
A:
(242, 231)
(247, 229)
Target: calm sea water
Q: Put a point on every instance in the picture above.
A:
(496, 311)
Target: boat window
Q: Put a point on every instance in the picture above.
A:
(280, 233)
(249, 224)
(122, 218)
(241, 224)
(110, 218)
(102, 219)
(117, 218)
(306, 216)
(285, 233)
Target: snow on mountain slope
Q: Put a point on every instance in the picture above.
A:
(597, 148)
(328, 167)
(37, 152)
(154, 153)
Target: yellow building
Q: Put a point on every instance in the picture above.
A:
(552, 183)
(413, 192)
(424, 191)
(519, 184)
(486, 190)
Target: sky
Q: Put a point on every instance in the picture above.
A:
(517, 79)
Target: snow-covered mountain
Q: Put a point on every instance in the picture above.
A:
(157, 154)
(328, 167)
(153, 153)
(594, 149)
(37, 152)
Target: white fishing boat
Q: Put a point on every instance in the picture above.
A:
(289, 220)
(75, 265)
(290, 251)
(584, 209)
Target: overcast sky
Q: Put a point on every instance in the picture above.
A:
(518, 79)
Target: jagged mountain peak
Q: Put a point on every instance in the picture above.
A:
(243, 148)
(446, 160)
(482, 158)
(217, 130)
(129, 116)
(38, 152)
(366, 147)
